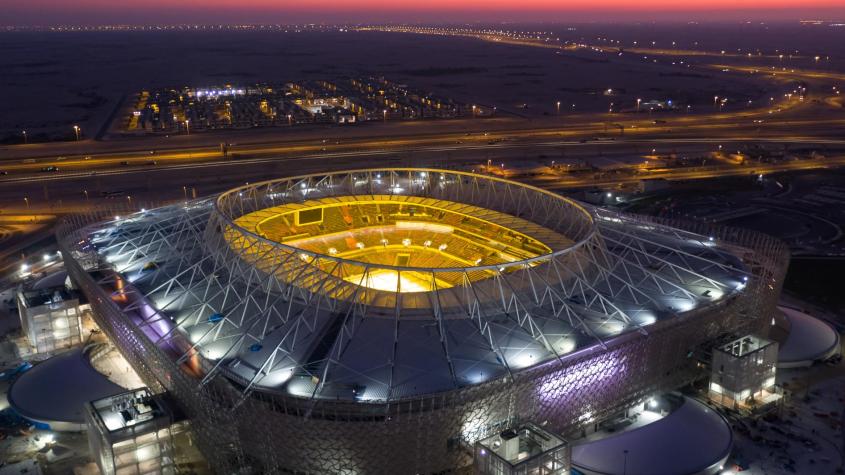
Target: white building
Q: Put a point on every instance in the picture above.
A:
(134, 433)
(743, 374)
(50, 315)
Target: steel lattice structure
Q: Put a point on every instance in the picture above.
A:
(284, 362)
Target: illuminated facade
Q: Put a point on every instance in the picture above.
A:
(327, 323)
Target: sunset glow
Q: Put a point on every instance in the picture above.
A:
(93, 11)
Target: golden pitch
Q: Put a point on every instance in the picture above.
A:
(400, 243)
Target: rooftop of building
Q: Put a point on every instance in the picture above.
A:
(57, 389)
(677, 435)
(128, 409)
(745, 345)
(49, 289)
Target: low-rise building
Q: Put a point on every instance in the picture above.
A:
(743, 373)
(524, 449)
(50, 314)
(137, 432)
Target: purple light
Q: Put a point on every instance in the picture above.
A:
(575, 378)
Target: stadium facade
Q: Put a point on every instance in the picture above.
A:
(384, 320)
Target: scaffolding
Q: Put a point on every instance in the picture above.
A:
(244, 424)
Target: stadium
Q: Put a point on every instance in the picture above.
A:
(384, 320)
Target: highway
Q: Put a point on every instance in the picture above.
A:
(790, 122)
(467, 152)
(748, 125)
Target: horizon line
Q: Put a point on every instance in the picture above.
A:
(336, 24)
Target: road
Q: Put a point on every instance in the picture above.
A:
(734, 126)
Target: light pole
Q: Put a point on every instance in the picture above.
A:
(639, 101)
(26, 200)
(185, 192)
(384, 112)
(25, 139)
(625, 463)
(188, 126)
(85, 192)
(715, 101)
(558, 107)
(290, 119)
(473, 111)
(76, 131)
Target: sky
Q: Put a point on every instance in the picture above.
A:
(91, 12)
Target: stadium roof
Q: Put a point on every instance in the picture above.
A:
(273, 316)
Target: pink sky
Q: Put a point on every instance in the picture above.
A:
(267, 11)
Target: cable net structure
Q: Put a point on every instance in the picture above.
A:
(383, 320)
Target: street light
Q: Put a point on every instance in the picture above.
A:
(26, 200)
(473, 111)
(25, 139)
(638, 104)
(558, 107)
(188, 126)
(76, 131)
(290, 119)
(86, 194)
(385, 114)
